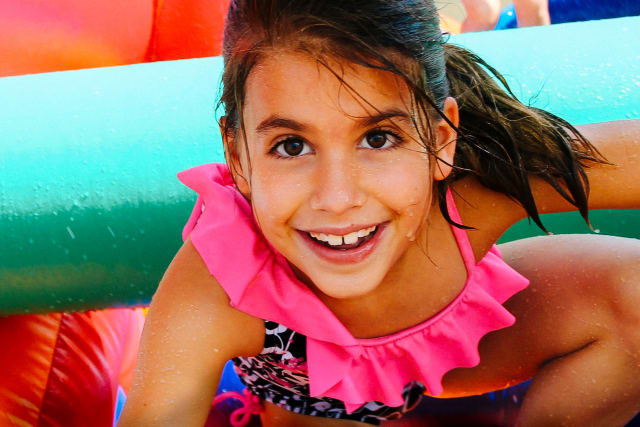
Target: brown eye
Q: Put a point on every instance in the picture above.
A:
(379, 139)
(291, 147)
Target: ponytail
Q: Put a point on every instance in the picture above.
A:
(503, 142)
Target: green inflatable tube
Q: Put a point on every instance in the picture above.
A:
(91, 211)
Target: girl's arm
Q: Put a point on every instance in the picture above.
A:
(190, 332)
(615, 186)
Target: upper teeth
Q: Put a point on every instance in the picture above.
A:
(335, 240)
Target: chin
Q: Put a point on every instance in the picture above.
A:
(342, 289)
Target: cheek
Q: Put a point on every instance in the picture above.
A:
(405, 186)
(275, 198)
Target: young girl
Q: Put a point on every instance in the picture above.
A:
(346, 259)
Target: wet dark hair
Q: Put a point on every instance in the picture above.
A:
(501, 141)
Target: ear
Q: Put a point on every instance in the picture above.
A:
(446, 137)
(236, 157)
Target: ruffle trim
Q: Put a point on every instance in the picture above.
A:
(259, 281)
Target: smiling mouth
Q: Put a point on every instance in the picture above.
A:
(346, 242)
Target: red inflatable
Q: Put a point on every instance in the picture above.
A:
(52, 35)
(65, 369)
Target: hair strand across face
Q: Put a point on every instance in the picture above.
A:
(501, 141)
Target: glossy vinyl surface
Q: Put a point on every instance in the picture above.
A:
(91, 212)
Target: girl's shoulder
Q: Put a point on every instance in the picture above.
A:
(189, 334)
(189, 294)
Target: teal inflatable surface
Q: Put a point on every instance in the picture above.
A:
(91, 211)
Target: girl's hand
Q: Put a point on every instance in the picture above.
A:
(190, 332)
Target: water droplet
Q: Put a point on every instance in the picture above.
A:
(597, 230)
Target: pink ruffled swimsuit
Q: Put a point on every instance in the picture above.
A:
(311, 364)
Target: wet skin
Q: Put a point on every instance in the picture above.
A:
(577, 321)
(339, 181)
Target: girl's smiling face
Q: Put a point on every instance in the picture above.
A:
(338, 179)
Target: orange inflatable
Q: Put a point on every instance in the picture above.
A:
(52, 35)
(65, 369)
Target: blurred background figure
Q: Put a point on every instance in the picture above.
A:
(484, 14)
(562, 11)
(481, 15)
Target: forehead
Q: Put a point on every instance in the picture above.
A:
(296, 83)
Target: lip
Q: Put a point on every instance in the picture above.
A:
(344, 256)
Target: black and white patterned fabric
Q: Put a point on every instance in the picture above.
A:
(279, 375)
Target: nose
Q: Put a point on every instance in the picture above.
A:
(337, 186)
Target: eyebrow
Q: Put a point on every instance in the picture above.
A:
(276, 122)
